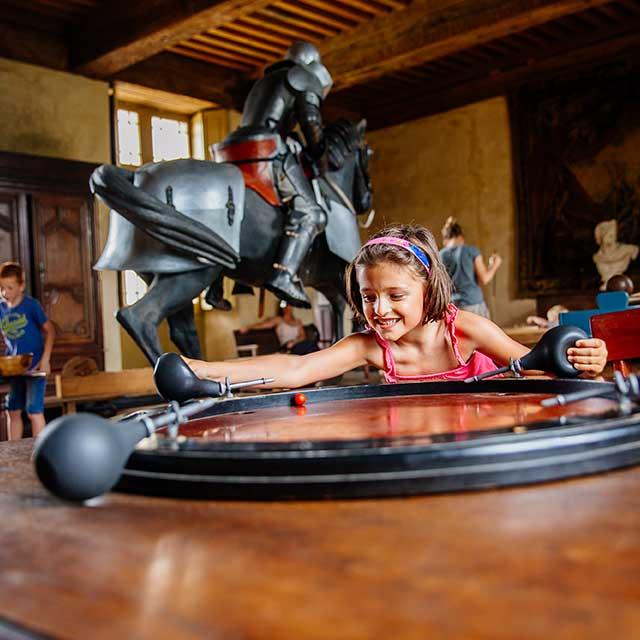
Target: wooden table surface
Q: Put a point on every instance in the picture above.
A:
(560, 560)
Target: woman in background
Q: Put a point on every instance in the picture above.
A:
(467, 269)
(289, 329)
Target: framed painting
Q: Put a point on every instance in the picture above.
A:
(576, 140)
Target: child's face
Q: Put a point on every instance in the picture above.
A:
(11, 289)
(392, 299)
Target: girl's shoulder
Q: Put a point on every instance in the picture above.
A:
(364, 345)
(364, 340)
(471, 325)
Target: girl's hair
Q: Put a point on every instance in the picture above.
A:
(451, 229)
(12, 270)
(436, 280)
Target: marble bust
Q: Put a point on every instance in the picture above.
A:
(613, 257)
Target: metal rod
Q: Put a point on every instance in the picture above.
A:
(566, 398)
(488, 374)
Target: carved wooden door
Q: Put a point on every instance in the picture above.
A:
(13, 227)
(64, 280)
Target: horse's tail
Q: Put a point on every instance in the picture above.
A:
(161, 221)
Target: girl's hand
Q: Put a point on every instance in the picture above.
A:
(194, 365)
(588, 356)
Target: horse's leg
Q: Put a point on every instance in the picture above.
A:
(183, 333)
(182, 326)
(215, 295)
(337, 306)
(167, 295)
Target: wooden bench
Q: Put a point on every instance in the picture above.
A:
(104, 385)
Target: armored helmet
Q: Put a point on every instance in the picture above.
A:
(303, 53)
(307, 55)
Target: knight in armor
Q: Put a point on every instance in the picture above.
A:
(291, 92)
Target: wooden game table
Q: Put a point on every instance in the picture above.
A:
(551, 560)
(558, 560)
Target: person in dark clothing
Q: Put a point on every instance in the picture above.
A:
(467, 269)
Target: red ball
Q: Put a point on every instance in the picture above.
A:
(299, 400)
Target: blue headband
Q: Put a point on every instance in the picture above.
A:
(405, 244)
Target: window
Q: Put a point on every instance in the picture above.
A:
(170, 139)
(129, 138)
(133, 287)
(146, 135)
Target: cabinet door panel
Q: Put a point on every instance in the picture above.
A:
(65, 281)
(13, 228)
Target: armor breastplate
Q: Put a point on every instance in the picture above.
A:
(270, 104)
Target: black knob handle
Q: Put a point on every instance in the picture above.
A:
(176, 381)
(81, 456)
(550, 354)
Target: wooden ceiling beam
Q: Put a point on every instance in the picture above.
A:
(442, 96)
(263, 34)
(211, 57)
(177, 74)
(228, 35)
(431, 29)
(117, 37)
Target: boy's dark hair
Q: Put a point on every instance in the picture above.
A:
(437, 282)
(451, 229)
(12, 270)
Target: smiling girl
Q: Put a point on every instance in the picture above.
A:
(399, 286)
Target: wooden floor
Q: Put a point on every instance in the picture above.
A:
(554, 561)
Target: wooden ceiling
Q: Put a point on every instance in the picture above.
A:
(391, 60)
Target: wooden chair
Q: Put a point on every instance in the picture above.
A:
(621, 331)
(104, 385)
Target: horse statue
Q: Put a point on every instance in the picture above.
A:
(182, 225)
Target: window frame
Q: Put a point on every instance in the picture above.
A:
(145, 113)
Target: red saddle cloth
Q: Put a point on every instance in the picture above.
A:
(254, 159)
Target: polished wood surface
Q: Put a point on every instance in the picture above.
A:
(421, 415)
(558, 561)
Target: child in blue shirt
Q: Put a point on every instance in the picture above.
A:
(25, 329)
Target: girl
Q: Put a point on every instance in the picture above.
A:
(399, 286)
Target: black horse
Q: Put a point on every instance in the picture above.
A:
(184, 224)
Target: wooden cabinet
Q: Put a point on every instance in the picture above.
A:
(47, 224)
(13, 226)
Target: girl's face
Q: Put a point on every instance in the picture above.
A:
(11, 289)
(392, 298)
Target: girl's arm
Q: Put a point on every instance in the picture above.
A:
(485, 274)
(588, 356)
(291, 371)
(476, 332)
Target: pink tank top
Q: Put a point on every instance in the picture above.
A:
(477, 363)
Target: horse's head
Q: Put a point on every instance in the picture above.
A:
(348, 154)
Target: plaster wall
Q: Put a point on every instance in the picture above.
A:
(455, 163)
(57, 114)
